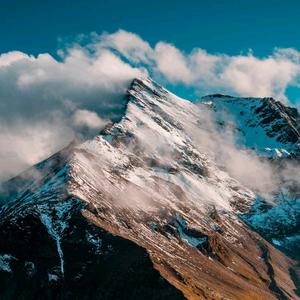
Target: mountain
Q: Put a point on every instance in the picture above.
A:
(263, 124)
(272, 130)
(148, 210)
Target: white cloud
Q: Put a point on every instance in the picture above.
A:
(87, 85)
(250, 76)
(8, 58)
(44, 102)
(127, 43)
(244, 75)
(25, 143)
(172, 64)
(90, 119)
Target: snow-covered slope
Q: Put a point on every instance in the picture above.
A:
(273, 131)
(150, 149)
(150, 180)
(262, 124)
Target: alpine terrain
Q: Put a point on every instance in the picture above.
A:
(161, 204)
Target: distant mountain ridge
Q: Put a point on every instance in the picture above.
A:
(264, 122)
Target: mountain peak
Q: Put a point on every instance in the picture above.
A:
(145, 85)
(149, 179)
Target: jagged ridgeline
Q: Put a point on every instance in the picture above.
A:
(173, 200)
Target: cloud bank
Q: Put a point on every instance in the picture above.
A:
(46, 101)
(244, 75)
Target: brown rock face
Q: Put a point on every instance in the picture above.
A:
(248, 268)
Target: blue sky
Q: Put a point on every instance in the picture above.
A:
(230, 27)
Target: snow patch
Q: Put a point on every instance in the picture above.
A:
(181, 225)
(5, 261)
(52, 277)
(47, 221)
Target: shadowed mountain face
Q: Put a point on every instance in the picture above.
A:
(96, 264)
(149, 209)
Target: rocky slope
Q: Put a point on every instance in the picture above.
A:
(272, 130)
(145, 211)
(263, 124)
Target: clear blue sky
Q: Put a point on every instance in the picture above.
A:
(228, 26)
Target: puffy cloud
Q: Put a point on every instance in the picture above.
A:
(250, 76)
(127, 44)
(45, 101)
(90, 119)
(172, 64)
(7, 59)
(24, 143)
(244, 75)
